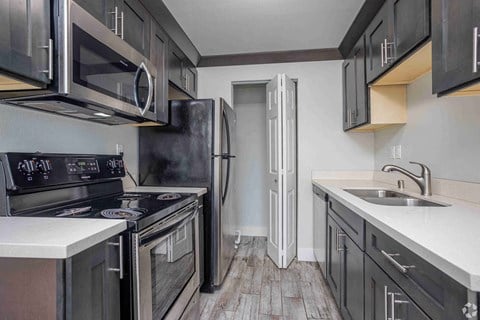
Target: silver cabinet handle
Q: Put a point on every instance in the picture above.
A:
(385, 302)
(382, 54)
(339, 235)
(386, 51)
(118, 244)
(392, 300)
(475, 49)
(49, 70)
(403, 269)
(115, 20)
(122, 25)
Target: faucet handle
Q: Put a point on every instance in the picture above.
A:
(425, 169)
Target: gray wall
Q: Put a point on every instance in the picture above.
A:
(443, 133)
(251, 196)
(24, 130)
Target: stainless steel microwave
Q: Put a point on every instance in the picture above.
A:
(97, 76)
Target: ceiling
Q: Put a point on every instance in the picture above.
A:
(218, 27)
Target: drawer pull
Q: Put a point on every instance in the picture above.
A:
(403, 269)
(340, 235)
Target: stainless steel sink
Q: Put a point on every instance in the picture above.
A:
(376, 193)
(404, 202)
(392, 198)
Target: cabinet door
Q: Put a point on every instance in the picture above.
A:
(376, 35)
(175, 65)
(349, 93)
(25, 38)
(362, 110)
(334, 257)
(158, 56)
(191, 81)
(410, 20)
(384, 299)
(453, 43)
(92, 286)
(355, 89)
(104, 11)
(351, 302)
(135, 25)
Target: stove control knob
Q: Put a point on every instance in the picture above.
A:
(26, 166)
(44, 166)
(111, 164)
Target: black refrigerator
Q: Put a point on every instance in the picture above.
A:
(197, 149)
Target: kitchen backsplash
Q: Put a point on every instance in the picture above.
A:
(24, 130)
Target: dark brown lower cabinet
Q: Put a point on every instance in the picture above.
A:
(333, 259)
(384, 299)
(351, 301)
(345, 271)
(85, 286)
(92, 282)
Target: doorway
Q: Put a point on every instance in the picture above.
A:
(249, 103)
(266, 170)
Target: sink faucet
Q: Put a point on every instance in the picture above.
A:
(424, 180)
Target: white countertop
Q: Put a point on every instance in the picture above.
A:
(53, 238)
(198, 191)
(446, 237)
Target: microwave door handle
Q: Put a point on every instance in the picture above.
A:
(136, 81)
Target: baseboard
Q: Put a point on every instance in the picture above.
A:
(254, 231)
(305, 254)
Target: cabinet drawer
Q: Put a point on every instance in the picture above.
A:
(349, 221)
(436, 293)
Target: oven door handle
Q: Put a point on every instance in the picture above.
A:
(136, 87)
(157, 234)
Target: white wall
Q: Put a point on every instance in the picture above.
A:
(322, 144)
(442, 132)
(251, 195)
(24, 130)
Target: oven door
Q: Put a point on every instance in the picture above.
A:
(103, 69)
(166, 266)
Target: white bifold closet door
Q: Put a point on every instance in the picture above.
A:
(282, 170)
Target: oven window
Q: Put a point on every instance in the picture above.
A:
(98, 67)
(173, 264)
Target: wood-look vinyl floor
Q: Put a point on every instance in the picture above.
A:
(255, 289)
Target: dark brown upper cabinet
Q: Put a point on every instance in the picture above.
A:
(399, 27)
(355, 90)
(26, 48)
(135, 25)
(376, 37)
(159, 57)
(181, 72)
(127, 19)
(455, 41)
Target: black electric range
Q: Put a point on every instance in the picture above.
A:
(79, 186)
(164, 226)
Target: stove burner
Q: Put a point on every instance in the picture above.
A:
(75, 212)
(169, 196)
(132, 196)
(122, 213)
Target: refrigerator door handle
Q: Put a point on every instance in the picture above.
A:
(227, 156)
